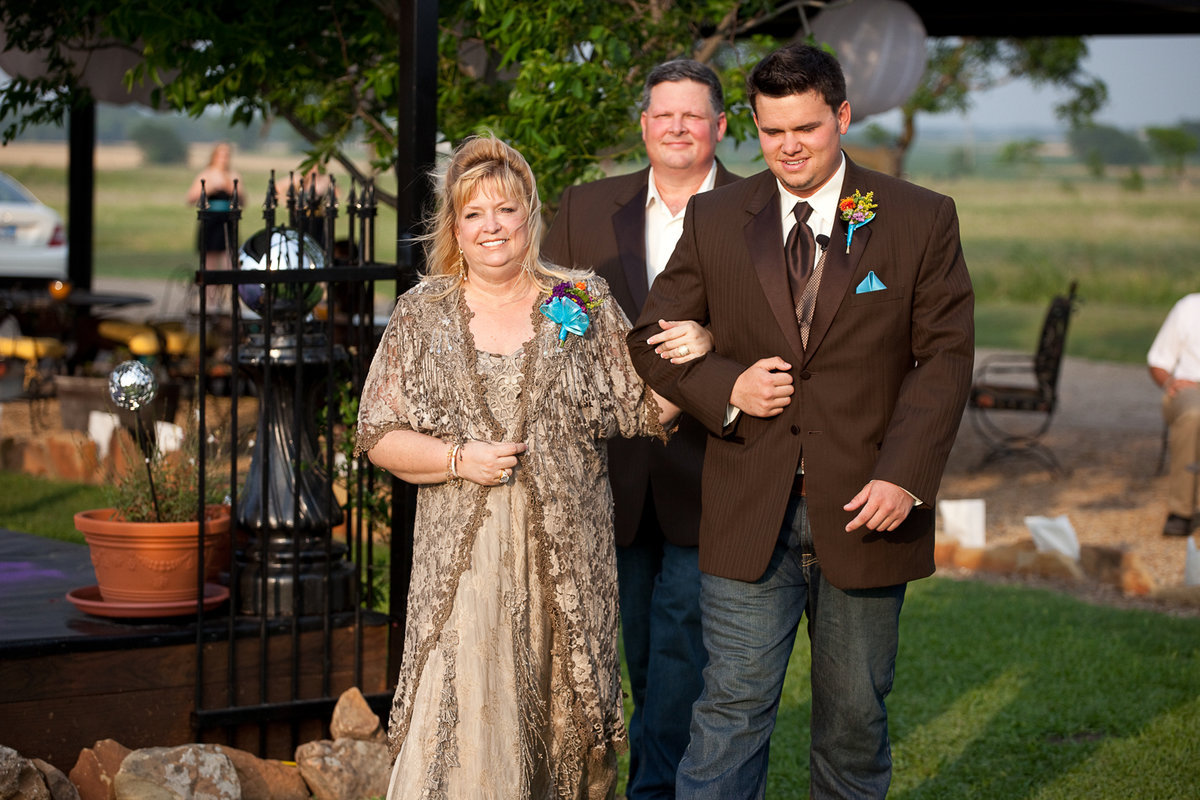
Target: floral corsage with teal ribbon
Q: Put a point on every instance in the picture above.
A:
(568, 307)
(857, 210)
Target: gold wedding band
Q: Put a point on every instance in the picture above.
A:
(683, 350)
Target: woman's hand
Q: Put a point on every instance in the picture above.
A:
(488, 463)
(421, 459)
(680, 342)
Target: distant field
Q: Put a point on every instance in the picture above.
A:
(1026, 234)
(144, 225)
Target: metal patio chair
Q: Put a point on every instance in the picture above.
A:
(1013, 397)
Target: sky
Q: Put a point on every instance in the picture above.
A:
(1152, 80)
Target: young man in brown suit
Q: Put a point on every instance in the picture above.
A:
(625, 229)
(841, 363)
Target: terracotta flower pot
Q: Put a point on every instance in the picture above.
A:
(151, 562)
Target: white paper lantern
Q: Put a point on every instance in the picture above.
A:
(881, 46)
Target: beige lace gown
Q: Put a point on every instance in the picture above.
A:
(510, 683)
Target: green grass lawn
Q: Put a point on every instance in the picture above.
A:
(1000, 691)
(1005, 692)
(45, 507)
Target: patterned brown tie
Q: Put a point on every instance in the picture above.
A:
(798, 252)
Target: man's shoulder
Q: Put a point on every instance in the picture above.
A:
(614, 187)
(737, 192)
(1188, 307)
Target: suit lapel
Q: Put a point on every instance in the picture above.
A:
(840, 266)
(764, 241)
(629, 227)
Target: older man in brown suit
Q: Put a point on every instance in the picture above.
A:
(841, 363)
(625, 228)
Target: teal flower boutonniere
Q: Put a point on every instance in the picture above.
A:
(857, 210)
(568, 307)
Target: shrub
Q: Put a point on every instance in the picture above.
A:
(159, 143)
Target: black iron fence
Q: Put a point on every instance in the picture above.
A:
(320, 545)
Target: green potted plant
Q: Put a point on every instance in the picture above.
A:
(145, 547)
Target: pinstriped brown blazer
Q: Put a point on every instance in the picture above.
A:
(602, 226)
(878, 395)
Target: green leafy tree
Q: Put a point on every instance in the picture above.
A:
(957, 68)
(1020, 153)
(558, 79)
(1094, 144)
(1192, 126)
(159, 143)
(1172, 146)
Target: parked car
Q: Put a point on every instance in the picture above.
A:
(33, 242)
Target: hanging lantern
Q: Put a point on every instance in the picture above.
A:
(881, 47)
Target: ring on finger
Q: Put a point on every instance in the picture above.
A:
(683, 350)
(503, 476)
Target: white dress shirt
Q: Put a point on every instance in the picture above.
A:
(824, 204)
(663, 228)
(1176, 347)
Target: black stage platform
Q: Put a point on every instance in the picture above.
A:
(69, 679)
(37, 619)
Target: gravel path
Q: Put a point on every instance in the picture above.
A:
(1108, 433)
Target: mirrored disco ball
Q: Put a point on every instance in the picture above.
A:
(132, 385)
(286, 250)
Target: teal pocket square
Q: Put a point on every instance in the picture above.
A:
(869, 284)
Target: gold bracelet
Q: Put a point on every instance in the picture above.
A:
(451, 466)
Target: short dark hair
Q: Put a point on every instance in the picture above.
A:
(685, 69)
(797, 68)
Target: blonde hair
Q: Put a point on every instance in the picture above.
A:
(479, 163)
(212, 157)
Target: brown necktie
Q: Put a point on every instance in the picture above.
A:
(798, 252)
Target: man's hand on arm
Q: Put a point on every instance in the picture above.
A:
(884, 506)
(765, 389)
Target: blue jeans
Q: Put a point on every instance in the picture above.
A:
(749, 631)
(660, 626)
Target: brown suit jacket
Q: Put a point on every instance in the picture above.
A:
(602, 226)
(878, 395)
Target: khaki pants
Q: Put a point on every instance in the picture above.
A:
(1182, 414)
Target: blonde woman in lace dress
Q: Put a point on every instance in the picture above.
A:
(510, 683)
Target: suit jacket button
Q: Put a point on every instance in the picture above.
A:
(805, 375)
(795, 430)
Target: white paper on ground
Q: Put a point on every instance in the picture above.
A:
(101, 426)
(1054, 534)
(1191, 564)
(964, 521)
(168, 437)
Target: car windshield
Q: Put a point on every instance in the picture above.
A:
(13, 192)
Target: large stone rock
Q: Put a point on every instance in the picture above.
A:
(264, 779)
(1053, 565)
(19, 778)
(1182, 596)
(1136, 578)
(60, 785)
(344, 769)
(188, 772)
(354, 719)
(96, 768)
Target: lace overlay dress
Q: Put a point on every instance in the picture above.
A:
(510, 682)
